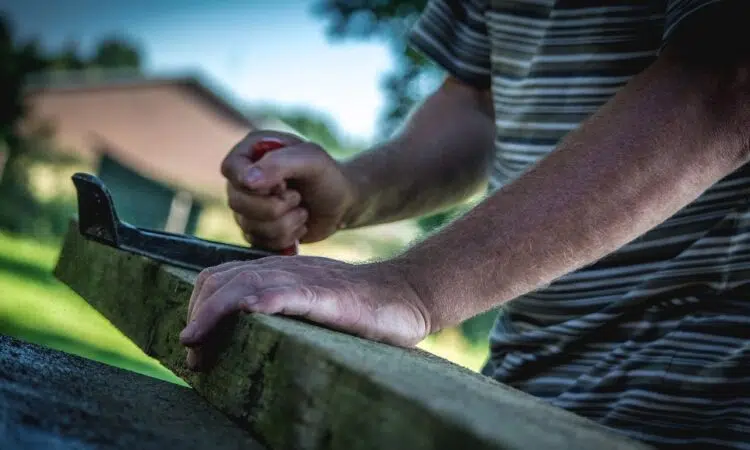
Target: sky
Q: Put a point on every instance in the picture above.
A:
(263, 51)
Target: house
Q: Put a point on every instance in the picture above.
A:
(156, 141)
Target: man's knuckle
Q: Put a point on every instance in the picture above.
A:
(251, 278)
(276, 230)
(276, 209)
(290, 222)
(306, 292)
(211, 309)
(212, 282)
(273, 233)
(272, 164)
(233, 200)
(232, 161)
(202, 276)
(226, 166)
(293, 199)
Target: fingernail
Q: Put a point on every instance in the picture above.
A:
(253, 175)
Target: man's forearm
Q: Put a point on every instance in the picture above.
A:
(438, 160)
(668, 135)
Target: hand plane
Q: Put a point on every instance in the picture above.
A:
(98, 221)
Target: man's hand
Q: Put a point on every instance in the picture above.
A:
(310, 205)
(373, 301)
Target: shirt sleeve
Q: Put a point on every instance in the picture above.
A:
(453, 33)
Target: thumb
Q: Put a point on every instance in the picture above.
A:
(299, 162)
(238, 162)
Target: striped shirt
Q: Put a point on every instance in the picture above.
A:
(652, 339)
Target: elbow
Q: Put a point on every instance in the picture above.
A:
(727, 104)
(712, 49)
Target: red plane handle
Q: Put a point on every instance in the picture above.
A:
(259, 149)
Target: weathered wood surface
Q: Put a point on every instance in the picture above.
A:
(52, 400)
(299, 386)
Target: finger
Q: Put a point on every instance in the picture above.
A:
(201, 288)
(288, 300)
(280, 243)
(236, 165)
(321, 227)
(299, 162)
(205, 355)
(209, 310)
(281, 229)
(262, 207)
(301, 301)
(200, 280)
(223, 302)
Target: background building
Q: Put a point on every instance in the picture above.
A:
(157, 142)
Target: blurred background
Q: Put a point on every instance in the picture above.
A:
(150, 96)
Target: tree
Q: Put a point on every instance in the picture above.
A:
(18, 60)
(313, 125)
(114, 53)
(414, 75)
(390, 21)
(68, 59)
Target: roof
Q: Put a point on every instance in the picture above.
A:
(95, 79)
(158, 125)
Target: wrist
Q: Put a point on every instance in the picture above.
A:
(417, 278)
(397, 286)
(357, 206)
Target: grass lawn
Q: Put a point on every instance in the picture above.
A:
(36, 307)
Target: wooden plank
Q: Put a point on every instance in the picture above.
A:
(53, 400)
(300, 386)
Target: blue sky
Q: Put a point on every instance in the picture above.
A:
(272, 51)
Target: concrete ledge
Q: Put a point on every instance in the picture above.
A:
(53, 400)
(300, 386)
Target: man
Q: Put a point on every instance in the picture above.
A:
(614, 137)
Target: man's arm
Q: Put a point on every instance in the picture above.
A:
(671, 133)
(440, 158)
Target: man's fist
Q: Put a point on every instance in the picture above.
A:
(296, 193)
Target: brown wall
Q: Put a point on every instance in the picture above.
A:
(169, 132)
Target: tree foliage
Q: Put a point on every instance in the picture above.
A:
(116, 53)
(19, 210)
(413, 76)
(18, 60)
(314, 126)
(388, 21)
